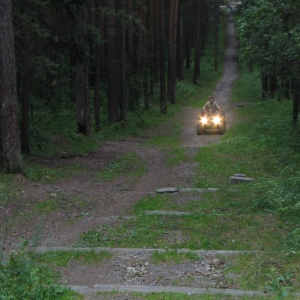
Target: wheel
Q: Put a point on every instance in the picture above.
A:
(200, 129)
(222, 128)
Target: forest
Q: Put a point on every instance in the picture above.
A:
(103, 59)
(98, 58)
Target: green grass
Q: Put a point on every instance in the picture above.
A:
(199, 231)
(256, 271)
(153, 202)
(46, 207)
(176, 156)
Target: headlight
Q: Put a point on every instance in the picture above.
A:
(203, 120)
(217, 120)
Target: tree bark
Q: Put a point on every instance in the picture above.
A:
(180, 47)
(10, 149)
(172, 50)
(216, 32)
(123, 98)
(82, 81)
(111, 65)
(162, 93)
(198, 43)
(25, 109)
(97, 97)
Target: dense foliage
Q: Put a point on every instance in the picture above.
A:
(269, 35)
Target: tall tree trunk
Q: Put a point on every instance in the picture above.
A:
(152, 21)
(25, 108)
(82, 98)
(188, 34)
(172, 50)
(97, 97)
(111, 65)
(180, 47)
(162, 95)
(156, 41)
(123, 98)
(82, 80)
(216, 32)
(10, 149)
(198, 43)
(131, 58)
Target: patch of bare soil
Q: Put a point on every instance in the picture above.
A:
(84, 201)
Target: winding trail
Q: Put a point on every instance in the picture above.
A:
(222, 94)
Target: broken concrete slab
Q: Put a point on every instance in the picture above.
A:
(239, 175)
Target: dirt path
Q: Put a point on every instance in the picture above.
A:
(222, 94)
(85, 202)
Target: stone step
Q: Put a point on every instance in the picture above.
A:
(183, 190)
(128, 288)
(98, 288)
(130, 250)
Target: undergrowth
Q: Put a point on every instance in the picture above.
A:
(22, 278)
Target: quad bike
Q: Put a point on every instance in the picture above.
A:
(211, 122)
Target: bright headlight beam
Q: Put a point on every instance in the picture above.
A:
(217, 120)
(203, 120)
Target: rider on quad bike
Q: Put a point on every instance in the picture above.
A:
(211, 119)
(211, 106)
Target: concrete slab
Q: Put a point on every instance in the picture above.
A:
(165, 289)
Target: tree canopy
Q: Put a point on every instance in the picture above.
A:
(270, 35)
